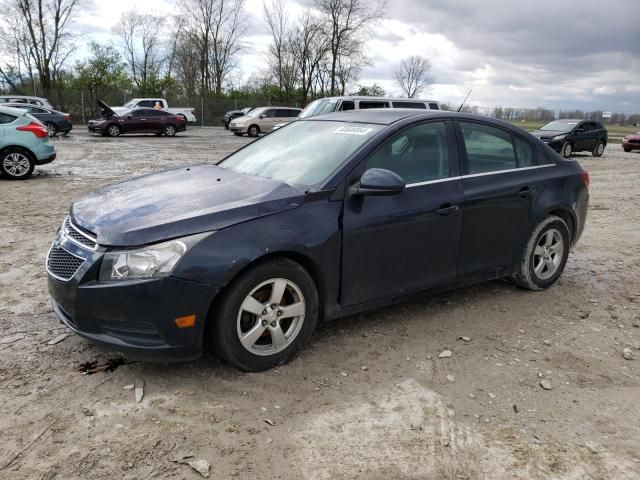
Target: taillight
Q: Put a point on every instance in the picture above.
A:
(38, 130)
(67, 117)
(585, 178)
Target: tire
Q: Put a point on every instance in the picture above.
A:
(545, 254)
(598, 150)
(253, 131)
(52, 129)
(226, 125)
(113, 130)
(566, 150)
(169, 130)
(16, 164)
(627, 150)
(237, 134)
(254, 289)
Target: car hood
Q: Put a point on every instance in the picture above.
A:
(633, 136)
(107, 109)
(178, 202)
(547, 133)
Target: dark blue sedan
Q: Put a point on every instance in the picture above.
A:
(323, 218)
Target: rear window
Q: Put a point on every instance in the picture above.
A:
(6, 118)
(434, 106)
(419, 105)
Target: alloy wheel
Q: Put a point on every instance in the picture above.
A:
(271, 317)
(52, 130)
(547, 256)
(600, 149)
(566, 150)
(114, 131)
(16, 164)
(169, 131)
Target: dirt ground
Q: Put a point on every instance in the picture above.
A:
(368, 398)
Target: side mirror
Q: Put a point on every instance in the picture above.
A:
(378, 181)
(129, 116)
(263, 116)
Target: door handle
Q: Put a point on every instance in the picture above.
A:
(526, 191)
(447, 209)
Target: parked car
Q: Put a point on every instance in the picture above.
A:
(136, 120)
(42, 102)
(631, 142)
(338, 104)
(325, 217)
(262, 120)
(226, 120)
(24, 143)
(188, 113)
(569, 136)
(56, 122)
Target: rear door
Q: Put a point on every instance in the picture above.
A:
(269, 119)
(499, 182)
(407, 242)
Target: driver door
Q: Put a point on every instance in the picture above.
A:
(406, 242)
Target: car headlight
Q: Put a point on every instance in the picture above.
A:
(152, 261)
(559, 137)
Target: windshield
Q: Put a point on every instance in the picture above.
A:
(255, 112)
(130, 103)
(559, 126)
(302, 153)
(318, 107)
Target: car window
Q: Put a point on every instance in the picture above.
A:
(434, 106)
(364, 104)
(271, 113)
(419, 105)
(418, 154)
(581, 128)
(6, 118)
(294, 113)
(37, 110)
(489, 149)
(155, 113)
(525, 154)
(146, 103)
(138, 113)
(282, 112)
(347, 105)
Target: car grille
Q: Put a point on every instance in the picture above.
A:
(633, 140)
(76, 235)
(62, 264)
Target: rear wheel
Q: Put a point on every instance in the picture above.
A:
(113, 131)
(598, 150)
(253, 131)
(16, 164)
(266, 316)
(545, 255)
(52, 129)
(566, 150)
(169, 130)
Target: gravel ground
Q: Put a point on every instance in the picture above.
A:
(368, 398)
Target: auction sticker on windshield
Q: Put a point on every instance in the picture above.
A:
(351, 130)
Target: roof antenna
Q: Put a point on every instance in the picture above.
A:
(465, 99)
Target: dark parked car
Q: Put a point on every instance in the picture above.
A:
(631, 142)
(325, 217)
(137, 120)
(56, 122)
(569, 136)
(226, 120)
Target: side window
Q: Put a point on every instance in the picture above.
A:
(418, 154)
(419, 105)
(489, 149)
(145, 103)
(364, 104)
(294, 113)
(524, 152)
(581, 128)
(347, 105)
(269, 113)
(155, 113)
(434, 106)
(282, 112)
(138, 113)
(6, 118)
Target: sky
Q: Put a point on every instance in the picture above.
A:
(560, 54)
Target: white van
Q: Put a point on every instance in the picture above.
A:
(337, 104)
(39, 101)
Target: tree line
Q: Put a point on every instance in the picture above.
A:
(196, 50)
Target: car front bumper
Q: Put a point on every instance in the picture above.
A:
(238, 128)
(134, 318)
(630, 146)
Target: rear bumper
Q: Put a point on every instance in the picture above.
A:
(47, 160)
(44, 151)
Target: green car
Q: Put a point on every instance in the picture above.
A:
(24, 143)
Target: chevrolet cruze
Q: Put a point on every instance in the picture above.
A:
(325, 217)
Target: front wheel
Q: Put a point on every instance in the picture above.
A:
(169, 130)
(627, 149)
(266, 316)
(16, 164)
(545, 255)
(566, 149)
(113, 131)
(253, 131)
(598, 150)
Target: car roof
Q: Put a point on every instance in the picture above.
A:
(388, 116)
(23, 105)
(377, 99)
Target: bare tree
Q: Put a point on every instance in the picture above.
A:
(309, 47)
(279, 55)
(347, 20)
(41, 34)
(413, 75)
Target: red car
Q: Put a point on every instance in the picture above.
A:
(136, 120)
(631, 142)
